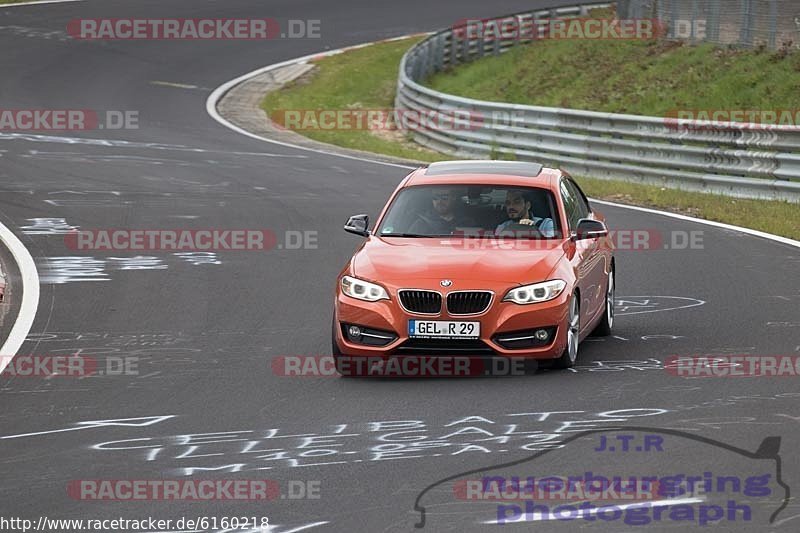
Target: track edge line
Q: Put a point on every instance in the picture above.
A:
(687, 218)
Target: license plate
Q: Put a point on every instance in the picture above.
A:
(441, 329)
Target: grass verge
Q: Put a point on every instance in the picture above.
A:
(366, 78)
(653, 78)
(779, 218)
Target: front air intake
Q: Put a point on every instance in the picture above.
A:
(421, 302)
(468, 302)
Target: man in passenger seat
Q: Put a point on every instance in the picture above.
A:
(518, 209)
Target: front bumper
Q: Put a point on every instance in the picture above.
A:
(502, 321)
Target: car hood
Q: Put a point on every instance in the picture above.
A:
(406, 260)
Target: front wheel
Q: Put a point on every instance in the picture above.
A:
(570, 355)
(603, 328)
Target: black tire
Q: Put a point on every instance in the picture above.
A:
(570, 355)
(603, 328)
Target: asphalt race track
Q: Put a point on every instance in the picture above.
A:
(205, 329)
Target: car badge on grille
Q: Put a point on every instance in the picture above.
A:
(446, 282)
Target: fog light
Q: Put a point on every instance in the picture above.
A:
(354, 331)
(541, 334)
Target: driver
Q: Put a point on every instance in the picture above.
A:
(518, 209)
(442, 218)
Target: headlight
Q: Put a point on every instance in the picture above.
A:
(363, 290)
(538, 292)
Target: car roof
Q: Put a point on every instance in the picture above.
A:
(489, 172)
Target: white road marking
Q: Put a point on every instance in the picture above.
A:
(30, 296)
(781, 522)
(39, 3)
(119, 143)
(756, 233)
(89, 424)
(222, 90)
(695, 303)
(176, 85)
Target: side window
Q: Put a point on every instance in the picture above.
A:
(581, 204)
(570, 207)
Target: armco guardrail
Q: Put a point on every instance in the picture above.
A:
(736, 160)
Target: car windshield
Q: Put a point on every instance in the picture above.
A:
(472, 211)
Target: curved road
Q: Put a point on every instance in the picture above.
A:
(204, 402)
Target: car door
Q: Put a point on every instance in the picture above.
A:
(594, 259)
(579, 250)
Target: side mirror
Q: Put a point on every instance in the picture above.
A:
(589, 229)
(358, 224)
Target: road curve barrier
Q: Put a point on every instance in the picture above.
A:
(730, 158)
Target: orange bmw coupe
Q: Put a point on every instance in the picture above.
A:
(480, 258)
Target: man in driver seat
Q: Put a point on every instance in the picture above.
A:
(518, 209)
(443, 219)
